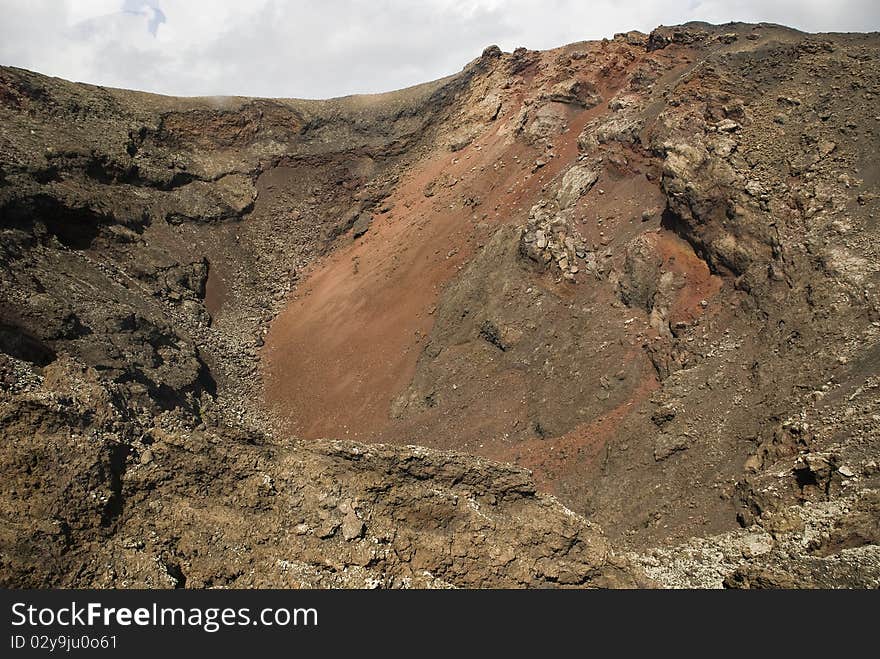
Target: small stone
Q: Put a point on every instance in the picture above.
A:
(353, 527)
(753, 463)
(755, 188)
(328, 528)
(345, 507)
(663, 415)
(826, 148)
(724, 146)
(576, 182)
(146, 457)
(665, 445)
(846, 472)
(727, 126)
(362, 224)
(757, 545)
(782, 521)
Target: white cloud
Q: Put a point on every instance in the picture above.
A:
(307, 49)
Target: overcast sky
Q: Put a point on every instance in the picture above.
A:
(332, 48)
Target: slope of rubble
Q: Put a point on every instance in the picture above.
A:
(605, 315)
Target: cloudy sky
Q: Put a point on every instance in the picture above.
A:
(332, 48)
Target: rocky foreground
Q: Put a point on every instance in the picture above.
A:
(623, 295)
